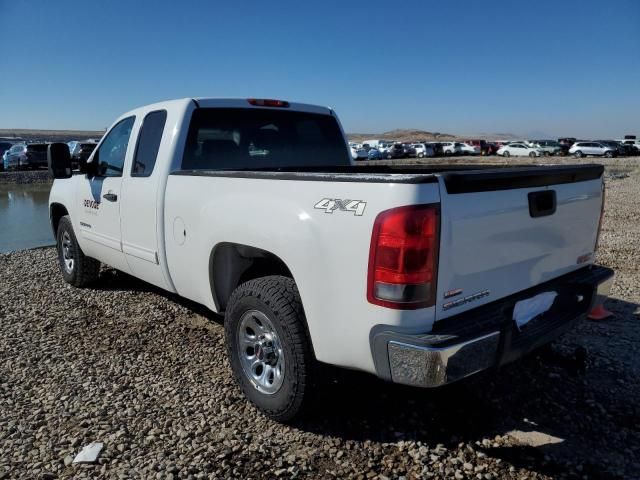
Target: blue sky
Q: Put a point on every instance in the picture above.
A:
(548, 67)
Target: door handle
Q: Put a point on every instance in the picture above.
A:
(112, 197)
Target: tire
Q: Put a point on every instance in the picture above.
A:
(547, 154)
(389, 156)
(506, 154)
(420, 155)
(270, 305)
(608, 154)
(578, 154)
(77, 269)
(532, 155)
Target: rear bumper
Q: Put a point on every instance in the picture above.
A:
(487, 336)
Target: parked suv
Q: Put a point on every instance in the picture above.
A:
(620, 148)
(451, 148)
(29, 156)
(80, 151)
(4, 146)
(396, 151)
(565, 144)
(581, 149)
(548, 147)
(423, 150)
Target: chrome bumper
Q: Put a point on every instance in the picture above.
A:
(432, 360)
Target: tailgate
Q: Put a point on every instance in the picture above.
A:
(506, 230)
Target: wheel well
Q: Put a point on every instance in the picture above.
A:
(231, 264)
(57, 211)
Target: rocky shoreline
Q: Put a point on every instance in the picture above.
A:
(25, 177)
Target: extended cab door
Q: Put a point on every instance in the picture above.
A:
(140, 209)
(99, 197)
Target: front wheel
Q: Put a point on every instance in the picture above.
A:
(268, 347)
(608, 154)
(532, 155)
(76, 268)
(506, 154)
(579, 154)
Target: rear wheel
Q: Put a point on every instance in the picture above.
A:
(532, 155)
(608, 154)
(76, 268)
(268, 347)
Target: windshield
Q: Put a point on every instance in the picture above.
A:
(252, 138)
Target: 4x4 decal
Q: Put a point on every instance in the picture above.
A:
(329, 205)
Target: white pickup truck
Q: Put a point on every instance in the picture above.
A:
(253, 208)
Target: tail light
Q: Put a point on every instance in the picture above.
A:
(403, 257)
(266, 102)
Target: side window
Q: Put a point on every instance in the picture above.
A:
(148, 144)
(111, 154)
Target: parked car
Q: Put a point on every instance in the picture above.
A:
(548, 147)
(491, 148)
(451, 148)
(519, 150)
(467, 149)
(358, 153)
(396, 151)
(4, 146)
(633, 146)
(620, 148)
(565, 144)
(409, 151)
(485, 148)
(437, 147)
(423, 150)
(16, 157)
(374, 154)
(81, 152)
(446, 272)
(5, 164)
(583, 149)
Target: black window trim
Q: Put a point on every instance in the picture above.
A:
(125, 154)
(135, 152)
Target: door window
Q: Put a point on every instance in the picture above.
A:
(111, 154)
(148, 144)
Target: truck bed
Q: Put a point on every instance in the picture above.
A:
(459, 178)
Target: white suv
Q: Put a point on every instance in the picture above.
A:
(581, 149)
(423, 150)
(451, 148)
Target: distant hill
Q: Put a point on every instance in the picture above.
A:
(49, 135)
(402, 135)
(411, 135)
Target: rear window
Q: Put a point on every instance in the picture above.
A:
(250, 138)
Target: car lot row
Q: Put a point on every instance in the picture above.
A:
(388, 149)
(33, 155)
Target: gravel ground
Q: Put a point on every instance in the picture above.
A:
(146, 373)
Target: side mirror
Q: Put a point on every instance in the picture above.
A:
(59, 160)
